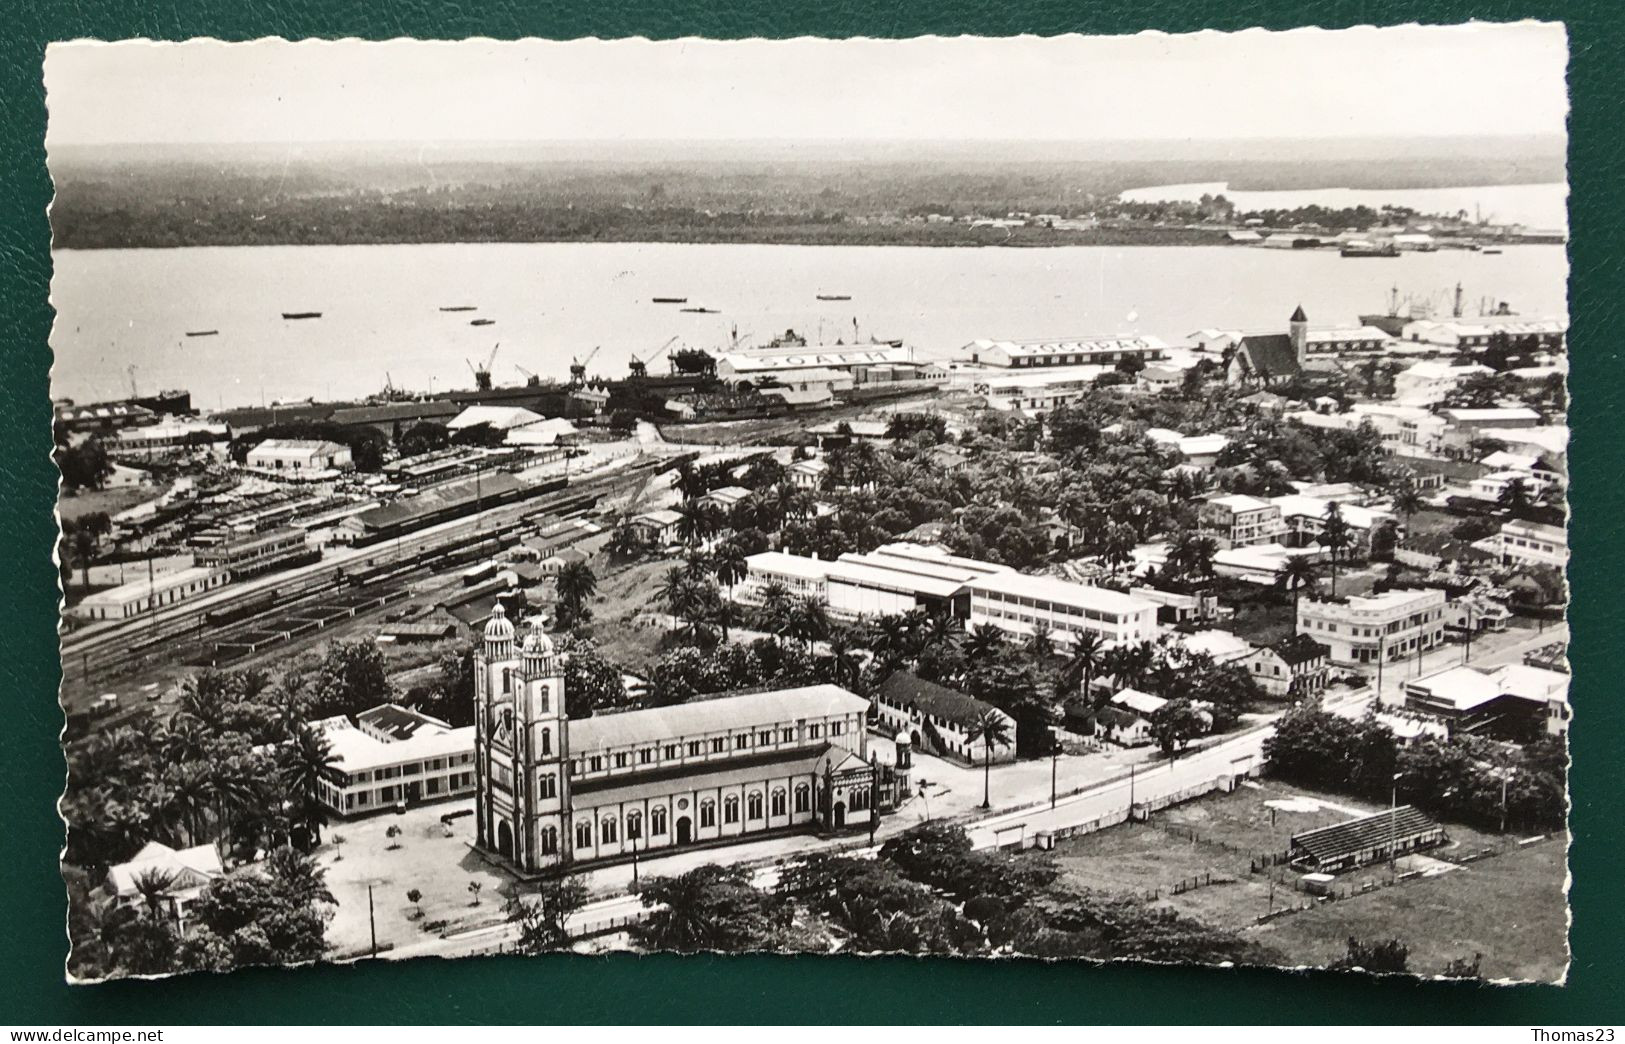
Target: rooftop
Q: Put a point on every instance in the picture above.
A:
(1052, 589)
(904, 689)
(703, 717)
(1367, 832)
(786, 564)
(715, 775)
(502, 418)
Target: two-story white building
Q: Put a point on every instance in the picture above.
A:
(1379, 628)
(1237, 520)
(1018, 604)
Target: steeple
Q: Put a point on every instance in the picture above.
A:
(1298, 330)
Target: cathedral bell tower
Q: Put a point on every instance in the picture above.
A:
(521, 747)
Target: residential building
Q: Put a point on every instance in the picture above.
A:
(809, 474)
(726, 497)
(897, 578)
(394, 756)
(299, 458)
(186, 872)
(1295, 666)
(1305, 520)
(940, 720)
(1429, 381)
(1368, 629)
(801, 577)
(656, 527)
(1529, 543)
(1200, 452)
(1018, 603)
(1237, 520)
(555, 791)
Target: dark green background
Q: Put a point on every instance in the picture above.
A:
(666, 989)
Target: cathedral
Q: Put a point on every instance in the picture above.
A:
(552, 792)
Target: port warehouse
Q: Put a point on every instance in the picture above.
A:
(212, 567)
(1368, 839)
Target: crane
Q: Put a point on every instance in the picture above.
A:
(531, 380)
(482, 374)
(640, 364)
(578, 367)
(131, 371)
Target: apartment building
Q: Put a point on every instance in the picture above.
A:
(1380, 628)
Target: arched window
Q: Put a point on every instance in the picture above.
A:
(753, 805)
(657, 821)
(634, 826)
(777, 804)
(547, 786)
(542, 699)
(607, 832)
(547, 741)
(708, 813)
(803, 798)
(730, 809)
(584, 833)
(507, 679)
(550, 841)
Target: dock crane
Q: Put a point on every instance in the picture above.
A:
(482, 374)
(640, 364)
(130, 370)
(531, 380)
(578, 367)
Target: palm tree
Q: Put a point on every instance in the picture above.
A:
(730, 565)
(990, 730)
(776, 603)
(307, 762)
(1203, 550)
(1407, 501)
(575, 584)
(983, 642)
(843, 665)
(1514, 496)
(153, 886)
(1297, 574)
(1088, 649)
(809, 620)
(1335, 535)
(1041, 643)
(1119, 544)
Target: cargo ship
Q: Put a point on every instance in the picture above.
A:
(669, 300)
(201, 333)
(835, 297)
(1366, 248)
(301, 315)
(457, 308)
(703, 311)
(481, 322)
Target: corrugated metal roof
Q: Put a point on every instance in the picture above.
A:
(1358, 835)
(726, 714)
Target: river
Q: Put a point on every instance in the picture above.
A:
(124, 309)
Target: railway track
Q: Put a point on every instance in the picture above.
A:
(195, 637)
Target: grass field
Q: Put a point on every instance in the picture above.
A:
(622, 609)
(1510, 908)
(112, 501)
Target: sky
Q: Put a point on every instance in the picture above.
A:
(1396, 82)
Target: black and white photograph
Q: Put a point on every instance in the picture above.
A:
(1085, 498)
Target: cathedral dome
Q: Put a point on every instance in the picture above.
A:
(538, 644)
(904, 739)
(499, 628)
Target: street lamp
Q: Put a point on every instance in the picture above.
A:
(1393, 826)
(1054, 761)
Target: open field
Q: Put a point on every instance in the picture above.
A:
(111, 501)
(1510, 907)
(620, 625)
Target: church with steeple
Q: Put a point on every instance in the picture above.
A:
(1274, 358)
(554, 792)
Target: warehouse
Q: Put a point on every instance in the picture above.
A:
(139, 596)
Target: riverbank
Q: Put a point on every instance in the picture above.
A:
(85, 232)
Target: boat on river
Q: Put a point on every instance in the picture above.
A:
(301, 315)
